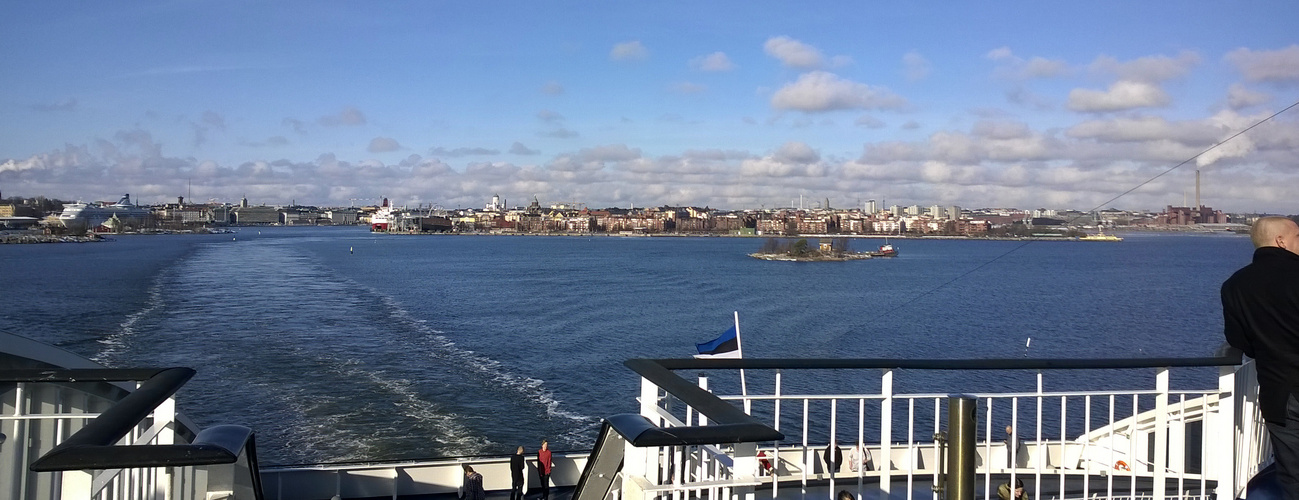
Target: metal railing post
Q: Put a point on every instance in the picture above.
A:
(961, 430)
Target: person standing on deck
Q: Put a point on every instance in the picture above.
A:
(543, 468)
(472, 488)
(1260, 308)
(516, 475)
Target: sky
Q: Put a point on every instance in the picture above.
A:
(725, 104)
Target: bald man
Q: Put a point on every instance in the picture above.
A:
(1260, 309)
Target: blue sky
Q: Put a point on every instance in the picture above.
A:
(725, 104)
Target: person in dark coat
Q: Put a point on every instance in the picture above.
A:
(833, 458)
(1260, 308)
(472, 488)
(516, 475)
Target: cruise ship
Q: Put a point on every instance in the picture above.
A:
(72, 429)
(92, 215)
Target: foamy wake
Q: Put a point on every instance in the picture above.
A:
(116, 343)
(531, 389)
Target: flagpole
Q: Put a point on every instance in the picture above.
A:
(739, 346)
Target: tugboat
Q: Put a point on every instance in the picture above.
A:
(886, 250)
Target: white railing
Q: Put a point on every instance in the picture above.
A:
(1066, 444)
(37, 417)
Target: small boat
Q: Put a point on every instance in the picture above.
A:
(1100, 236)
(886, 250)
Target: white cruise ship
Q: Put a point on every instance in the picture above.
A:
(93, 215)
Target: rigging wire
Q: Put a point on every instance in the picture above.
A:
(1071, 221)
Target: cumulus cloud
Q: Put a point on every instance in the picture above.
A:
(549, 116)
(295, 124)
(383, 145)
(552, 88)
(791, 160)
(796, 152)
(68, 104)
(519, 149)
(1017, 68)
(629, 51)
(689, 88)
(821, 91)
(1239, 97)
(1151, 69)
(458, 152)
(273, 141)
(1145, 129)
(349, 117)
(1121, 96)
(868, 121)
(214, 119)
(793, 53)
(1275, 66)
(915, 66)
(717, 61)
(558, 133)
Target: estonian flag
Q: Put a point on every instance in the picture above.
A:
(725, 346)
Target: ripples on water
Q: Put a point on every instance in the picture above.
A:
(335, 344)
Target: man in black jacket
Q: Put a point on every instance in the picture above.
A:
(516, 475)
(1260, 308)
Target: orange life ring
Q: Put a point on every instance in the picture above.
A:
(1121, 465)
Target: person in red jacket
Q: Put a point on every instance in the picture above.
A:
(1260, 308)
(543, 468)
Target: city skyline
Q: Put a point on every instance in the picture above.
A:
(729, 105)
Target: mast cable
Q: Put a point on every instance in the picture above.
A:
(1071, 221)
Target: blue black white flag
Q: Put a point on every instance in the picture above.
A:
(723, 347)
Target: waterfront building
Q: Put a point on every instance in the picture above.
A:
(1181, 216)
(256, 215)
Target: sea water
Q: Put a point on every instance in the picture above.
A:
(335, 344)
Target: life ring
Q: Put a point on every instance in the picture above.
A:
(1121, 465)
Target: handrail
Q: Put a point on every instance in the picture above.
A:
(1228, 359)
(93, 447)
(732, 424)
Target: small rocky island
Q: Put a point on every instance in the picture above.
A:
(831, 250)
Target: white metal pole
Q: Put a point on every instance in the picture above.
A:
(739, 346)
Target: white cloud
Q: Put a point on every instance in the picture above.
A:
(69, 104)
(1151, 69)
(552, 88)
(688, 88)
(915, 66)
(458, 152)
(793, 53)
(383, 145)
(821, 91)
(1239, 97)
(1276, 66)
(519, 149)
(1039, 67)
(1000, 54)
(214, 119)
(1145, 129)
(796, 152)
(349, 116)
(549, 116)
(1121, 96)
(629, 51)
(717, 61)
(868, 121)
(1017, 68)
